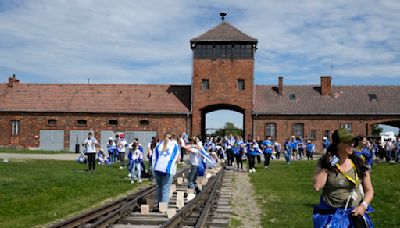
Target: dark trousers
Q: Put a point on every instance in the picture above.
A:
(183, 151)
(239, 161)
(278, 155)
(301, 152)
(310, 156)
(122, 158)
(230, 156)
(252, 161)
(258, 159)
(267, 158)
(91, 161)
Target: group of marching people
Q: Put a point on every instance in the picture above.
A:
(235, 150)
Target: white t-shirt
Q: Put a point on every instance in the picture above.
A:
(194, 156)
(90, 144)
(121, 145)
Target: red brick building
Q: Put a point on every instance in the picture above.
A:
(58, 116)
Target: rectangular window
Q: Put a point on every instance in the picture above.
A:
(205, 85)
(240, 84)
(346, 126)
(270, 130)
(144, 123)
(298, 130)
(218, 51)
(313, 135)
(15, 127)
(52, 122)
(236, 52)
(81, 123)
(327, 133)
(113, 122)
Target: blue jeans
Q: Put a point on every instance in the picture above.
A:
(138, 167)
(164, 182)
(192, 176)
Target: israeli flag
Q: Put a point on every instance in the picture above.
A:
(207, 157)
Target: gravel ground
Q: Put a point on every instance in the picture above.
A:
(244, 203)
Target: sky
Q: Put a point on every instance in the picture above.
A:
(147, 42)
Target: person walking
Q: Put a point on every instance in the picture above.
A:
(268, 145)
(135, 158)
(310, 149)
(340, 175)
(90, 146)
(193, 150)
(121, 145)
(164, 164)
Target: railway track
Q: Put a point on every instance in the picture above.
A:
(209, 208)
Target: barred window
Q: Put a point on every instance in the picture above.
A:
(298, 130)
(270, 129)
(313, 135)
(346, 126)
(15, 127)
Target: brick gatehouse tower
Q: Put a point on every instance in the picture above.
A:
(223, 75)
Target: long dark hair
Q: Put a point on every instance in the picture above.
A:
(325, 160)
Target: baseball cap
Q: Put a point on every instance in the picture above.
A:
(344, 136)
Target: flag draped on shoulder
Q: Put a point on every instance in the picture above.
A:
(206, 156)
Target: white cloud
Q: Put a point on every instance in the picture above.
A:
(148, 41)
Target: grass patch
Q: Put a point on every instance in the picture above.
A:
(287, 197)
(234, 223)
(27, 151)
(36, 192)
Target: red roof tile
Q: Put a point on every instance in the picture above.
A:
(224, 32)
(103, 98)
(345, 100)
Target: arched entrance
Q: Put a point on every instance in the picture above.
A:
(217, 107)
(386, 126)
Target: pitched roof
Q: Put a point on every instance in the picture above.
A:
(101, 98)
(224, 32)
(345, 100)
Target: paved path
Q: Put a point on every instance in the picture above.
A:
(66, 157)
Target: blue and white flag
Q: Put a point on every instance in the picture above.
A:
(207, 157)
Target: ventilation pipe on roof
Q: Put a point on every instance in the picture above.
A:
(12, 80)
(326, 88)
(280, 85)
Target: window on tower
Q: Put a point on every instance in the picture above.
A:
(205, 85)
(240, 84)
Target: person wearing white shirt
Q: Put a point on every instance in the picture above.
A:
(164, 165)
(90, 146)
(135, 158)
(193, 148)
(121, 144)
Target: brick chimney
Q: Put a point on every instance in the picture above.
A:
(326, 88)
(280, 85)
(12, 80)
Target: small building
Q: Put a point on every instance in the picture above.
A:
(59, 116)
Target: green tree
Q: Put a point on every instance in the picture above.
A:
(376, 130)
(229, 128)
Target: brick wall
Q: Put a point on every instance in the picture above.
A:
(284, 125)
(32, 123)
(223, 75)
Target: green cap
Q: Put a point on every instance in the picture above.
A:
(345, 136)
